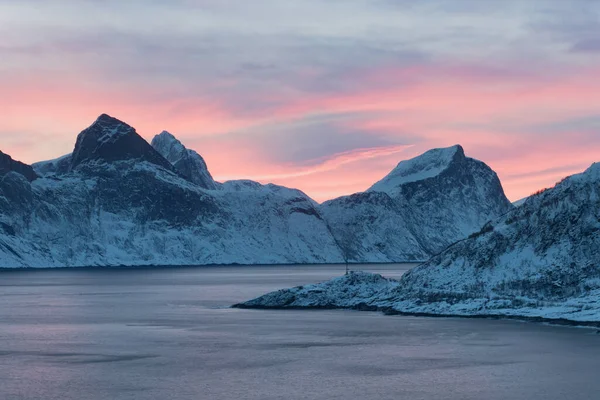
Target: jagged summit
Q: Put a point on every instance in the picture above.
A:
(427, 165)
(109, 139)
(187, 162)
(7, 164)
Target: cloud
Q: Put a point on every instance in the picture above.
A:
(589, 45)
(330, 163)
(314, 91)
(314, 140)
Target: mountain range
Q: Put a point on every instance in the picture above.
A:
(119, 200)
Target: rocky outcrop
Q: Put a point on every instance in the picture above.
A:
(7, 164)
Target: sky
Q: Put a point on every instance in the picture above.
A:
(322, 95)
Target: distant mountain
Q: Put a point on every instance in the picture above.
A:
(417, 210)
(540, 260)
(117, 201)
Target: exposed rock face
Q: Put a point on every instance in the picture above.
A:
(7, 164)
(424, 205)
(540, 260)
(187, 162)
(108, 140)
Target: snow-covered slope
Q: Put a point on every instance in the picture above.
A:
(541, 260)
(285, 223)
(370, 227)
(120, 202)
(60, 164)
(424, 205)
(187, 162)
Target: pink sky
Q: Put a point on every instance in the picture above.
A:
(329, 109)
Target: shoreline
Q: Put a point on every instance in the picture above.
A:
(390, 311)
(183, 266)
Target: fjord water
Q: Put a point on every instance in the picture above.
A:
(169, 334)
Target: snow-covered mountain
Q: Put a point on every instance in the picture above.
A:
(117, 201)
(421, 207)
(541, 260)
(187, 162)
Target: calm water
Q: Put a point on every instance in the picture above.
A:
(168, 334)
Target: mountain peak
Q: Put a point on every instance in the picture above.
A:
(110, 128)
(110, 139)
(427, 165)
(187, 162)
(168, 146)
(166, 135)
(107, 119)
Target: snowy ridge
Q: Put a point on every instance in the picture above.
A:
(60, 164)
(541, 260)
(425, 166)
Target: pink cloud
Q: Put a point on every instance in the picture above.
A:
(489, 112)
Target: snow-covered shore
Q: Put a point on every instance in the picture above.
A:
(372, 292)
